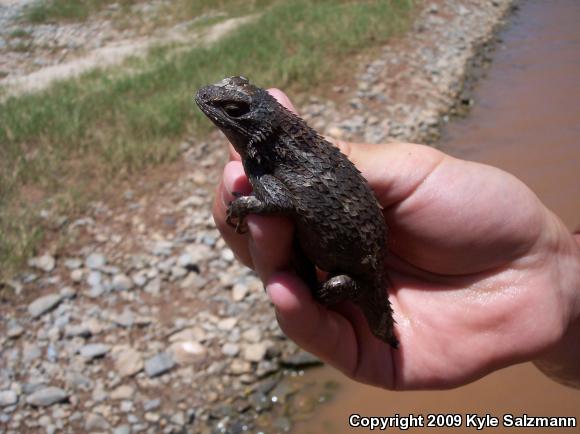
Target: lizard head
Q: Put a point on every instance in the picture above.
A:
(246, 114)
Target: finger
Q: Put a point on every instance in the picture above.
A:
(270, 244)
(283, 99)
(394, 170)
(233, 180)
(318, 330)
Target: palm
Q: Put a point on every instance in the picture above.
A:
(455, 253)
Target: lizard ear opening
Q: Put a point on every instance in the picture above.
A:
(235, 109)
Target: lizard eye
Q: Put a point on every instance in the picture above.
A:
(235, 110)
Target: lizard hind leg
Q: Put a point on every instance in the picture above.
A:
(336, 289)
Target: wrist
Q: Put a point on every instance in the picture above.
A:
(561, 361)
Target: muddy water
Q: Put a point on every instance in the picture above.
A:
(527, 121)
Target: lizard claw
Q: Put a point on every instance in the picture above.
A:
(236, 219)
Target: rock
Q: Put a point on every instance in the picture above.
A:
(95, 261)
(8, 398)
(124, 319)
(30, 352)
(94, 351)
(189, 334)
(122, 429)
(230, 349)
(301, 360)
(227, 324)
(239, 291)
(187, 352)
(122, 392)
(80, 330)
(128, 362)
(94, 278)
(154, 286)
(252, 335)
(255, 352)
(15, 330)
(76, 275)
(159, 364)
(73, 263)
(43, 305)
(95, 422)
(151, 404)
(47, 396)
(45, 263)
(122, 282)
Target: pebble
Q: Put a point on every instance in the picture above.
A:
(122, 282)
(128, 362)
(44, 304)
(95, 261)
(187, 352)
(230, 349)
(159, 364)
(45, 263)
(239, 291)
(123, 392)
(8, 398)
(94, 351)
(255, 352)
(47, 396)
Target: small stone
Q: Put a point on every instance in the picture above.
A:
(301, 360)
(239, 291)
(68, 293)
(122, 392)
(124, 319)
(45, 263)
(151, 404)
(159, 364)
(255, 352)
(227, 255)
(252, 335)
(8, 398)
(186, 261)
(80, 330)
(95, 422)
(152, 417)
(154, 286)
(95, 261)
(14, 331)
(128, 362)
(76, 275)
(227, 324)
(122, 429)
(122, 282)
(73, 263)
(94, 351)
(187, 352)
(239, 367)
(47, 396)
(189, 334)
(94, 278)
(43, 305)
(230, 349)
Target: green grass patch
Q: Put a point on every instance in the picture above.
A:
(110, 123)
(46, 11)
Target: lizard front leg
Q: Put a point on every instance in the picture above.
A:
(270, 196)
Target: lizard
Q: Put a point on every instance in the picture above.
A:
(294, 171)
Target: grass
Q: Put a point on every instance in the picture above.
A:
(87, 132)
(49, 11)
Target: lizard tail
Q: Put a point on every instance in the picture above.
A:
(379, 314)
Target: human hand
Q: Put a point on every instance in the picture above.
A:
(483, 275)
